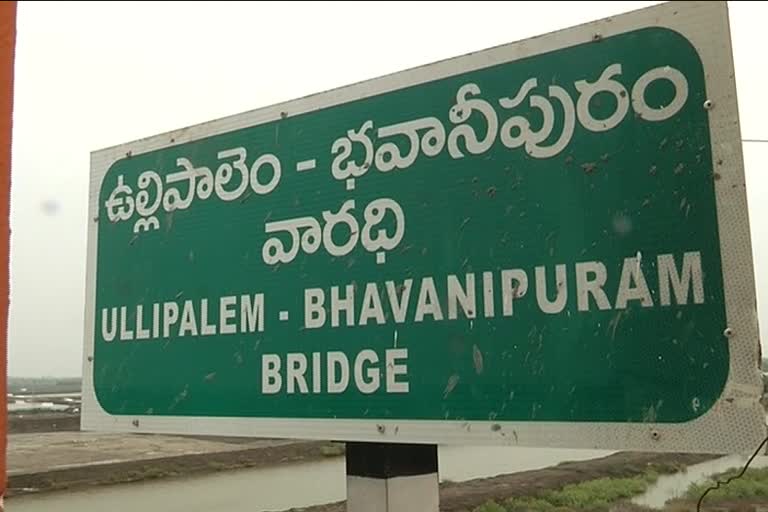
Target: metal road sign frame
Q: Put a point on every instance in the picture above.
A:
(736, 423)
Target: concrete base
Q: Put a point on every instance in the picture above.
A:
(403, 494)
(392, 478)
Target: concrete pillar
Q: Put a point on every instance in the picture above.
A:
(384, 477)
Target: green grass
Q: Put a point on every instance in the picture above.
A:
(754, 484)
(591, 496)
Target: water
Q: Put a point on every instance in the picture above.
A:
(674, 486)
(284, 487)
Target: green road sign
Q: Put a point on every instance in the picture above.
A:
(544, 243)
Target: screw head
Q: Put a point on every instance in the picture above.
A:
(708, 104)
(381, 429)
(728, 332)
(597, 37)
(655, 435)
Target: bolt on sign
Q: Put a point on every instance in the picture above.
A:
(541, 244)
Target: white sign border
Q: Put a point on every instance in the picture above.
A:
(736, 424)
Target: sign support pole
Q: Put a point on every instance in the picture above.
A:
(389, 477)
(7, 61)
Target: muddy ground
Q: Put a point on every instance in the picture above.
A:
(139, 458)
(88, 476)
(465, 496)
(42, 422)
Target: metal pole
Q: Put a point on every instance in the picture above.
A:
(386, 477)
(7, 54)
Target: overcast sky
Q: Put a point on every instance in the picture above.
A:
(94, 75)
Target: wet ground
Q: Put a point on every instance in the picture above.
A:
(28, 453)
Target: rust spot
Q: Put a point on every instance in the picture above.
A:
(589, 167)
(716, 175)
